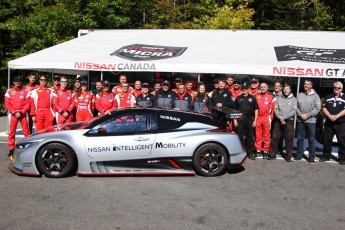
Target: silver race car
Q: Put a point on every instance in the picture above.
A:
(134, 141)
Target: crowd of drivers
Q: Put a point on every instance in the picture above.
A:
(267, 123)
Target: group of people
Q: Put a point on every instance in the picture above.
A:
(267, 117)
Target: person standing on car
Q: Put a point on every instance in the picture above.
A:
(105, 99)
(17, 103)
(42, 105)
(247, 104)
(266, 104)
(63, 103)
(165, 97)
(283, 122)
(145, 99)
(84, 102)
(202, 102)
(125, 99)
(183, 100)
(334, 111)
(308, 106)
(29, 87)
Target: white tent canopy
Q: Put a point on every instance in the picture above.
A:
(271, 53)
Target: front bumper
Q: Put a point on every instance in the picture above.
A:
(21, 172)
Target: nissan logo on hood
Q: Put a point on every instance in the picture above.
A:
(140, 52)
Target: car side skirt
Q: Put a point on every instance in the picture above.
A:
(145, 167)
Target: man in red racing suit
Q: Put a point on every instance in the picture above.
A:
(266, 104)
(63, 103)
(125, 99)
(17, 103)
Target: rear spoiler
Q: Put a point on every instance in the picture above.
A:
(221, 115)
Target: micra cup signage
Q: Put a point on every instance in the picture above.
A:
(140, 52)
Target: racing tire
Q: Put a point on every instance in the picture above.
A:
(210, 160)
(56, 160)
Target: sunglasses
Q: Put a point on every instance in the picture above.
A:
(43, 79)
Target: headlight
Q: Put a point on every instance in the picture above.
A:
(25, 145)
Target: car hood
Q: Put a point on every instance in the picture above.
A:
(62, 127)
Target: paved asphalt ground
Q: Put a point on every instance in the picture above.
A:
(263, 195)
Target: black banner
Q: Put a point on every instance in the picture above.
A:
(291, 53)
(140, 52)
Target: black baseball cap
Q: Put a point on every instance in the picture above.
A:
(77, 79)
(83, 82)
(145, 85)
(166, 82)
(178, 80)
(237, 81)
(254, 80)
(106, 83)
(18, 78)
(245, 85)
(56, 77)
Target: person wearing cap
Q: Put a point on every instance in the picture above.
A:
(334, 111)
(266, 103)
(63, 103)
(137, 88)
(29, 87)
(283, 122)
(308, 107)
(165, 97)
(95, 92)
(56, 83)
(125, 99)
(183, 100)
(178, 81)
(156, 87)
(105, 100)
(145, 99)
(189, 89)
(215, 87)
(247, 104)
(254, 86)
(202, 102)
(42, 105)
(17, 103)
(230, 82)
(118, 89)
(76, 86)
(84, 102)
(236, 90)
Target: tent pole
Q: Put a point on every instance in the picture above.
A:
(295, 121)
(198, 77)
(101, 75)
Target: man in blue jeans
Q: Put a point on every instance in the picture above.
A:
(308, 106)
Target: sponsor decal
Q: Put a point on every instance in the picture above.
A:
(291, 53)
(170, 118)
(27, 165)
(160, 145)
(133, 147)
(114, 66)
(308, 72)
(140, 52)
(98, 149)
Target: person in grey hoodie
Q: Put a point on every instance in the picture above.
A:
(284, 114)
(308, 106)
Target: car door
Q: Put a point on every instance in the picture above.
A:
(130, 134)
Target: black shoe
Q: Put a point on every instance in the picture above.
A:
(288, 159)
(257, 153)
(251, 156)
(297, 159)
(10, 153)
(271, 158)
(265, 155)
(311, 161)
(342, 161)
(324, 159)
